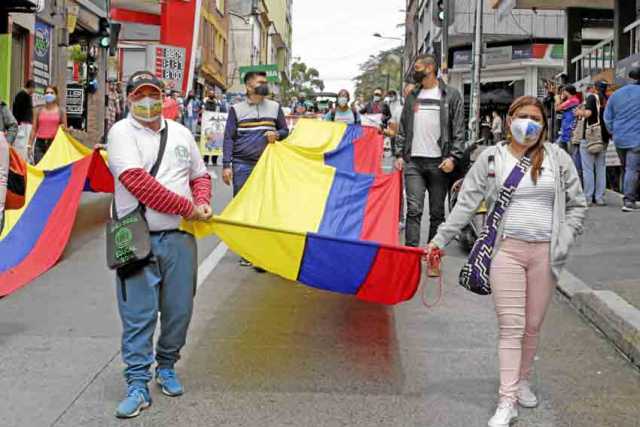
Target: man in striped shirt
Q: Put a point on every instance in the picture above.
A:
(251, 125)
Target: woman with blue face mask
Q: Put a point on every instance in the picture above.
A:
(539, 225)
(343, 112)
(46, 122)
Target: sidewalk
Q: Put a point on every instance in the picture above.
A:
(603, 274)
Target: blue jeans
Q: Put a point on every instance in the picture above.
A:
(594, 173)
(241, 172)
(167, 286)
(630, 159)
(191, 123)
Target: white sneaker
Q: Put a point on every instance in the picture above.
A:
(526, 397)
(506, 414)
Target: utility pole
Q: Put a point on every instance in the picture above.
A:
(444, 54)
(474, 113)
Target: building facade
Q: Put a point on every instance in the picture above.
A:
(519, 51)
(260, 39)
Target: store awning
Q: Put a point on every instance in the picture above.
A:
(21, 6)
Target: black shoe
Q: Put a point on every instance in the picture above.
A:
(259, 270)
(630, 207)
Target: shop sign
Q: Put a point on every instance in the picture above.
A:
(75, 100)
(461, 57)
(497, 55)
(41, 59)
(273, 75)
(168, 63)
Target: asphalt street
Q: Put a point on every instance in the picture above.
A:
(264, 351)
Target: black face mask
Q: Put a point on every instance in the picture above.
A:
(262, 90)
(418, 76)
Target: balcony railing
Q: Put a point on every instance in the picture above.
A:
(597, 59)
(634, 36)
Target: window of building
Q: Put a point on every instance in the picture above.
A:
(220, 6)
(219, 48)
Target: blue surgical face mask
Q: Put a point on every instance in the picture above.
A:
(342, 101)
(49, 97)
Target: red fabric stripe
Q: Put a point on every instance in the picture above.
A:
(394, 276)
(151, 193)
(99, 175)
(382, 213)
(54, 237)
(367, 157)
(201, 190)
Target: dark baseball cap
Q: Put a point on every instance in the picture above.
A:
(143, 78)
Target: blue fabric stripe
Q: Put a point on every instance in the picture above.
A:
(343, 157)
(345, 207)
(320, 270)
(24, 235)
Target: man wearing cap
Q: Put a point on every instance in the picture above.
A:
(622, 117)
(166, 284)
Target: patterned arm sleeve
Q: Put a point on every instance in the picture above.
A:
(154, 195)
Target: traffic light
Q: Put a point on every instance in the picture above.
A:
(438, 12)
(115, 35)
(104, 33)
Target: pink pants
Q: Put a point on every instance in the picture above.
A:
(522, 285)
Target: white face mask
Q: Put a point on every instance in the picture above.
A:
(147, 109)
(525, 131)
(49, 98)
(342, 101)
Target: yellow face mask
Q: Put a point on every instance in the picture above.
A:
(147, 109)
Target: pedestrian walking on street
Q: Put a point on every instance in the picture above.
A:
(496, 127)
(428, 146)
(377, 106)
(170, 108)
(157, 165)
(622, 117)
(45, 126)
(535, 233)
(567, 105)
(192, 106)
(342, 112)
(594, 167)
(8, 123)
(251, 125)
(23, 113)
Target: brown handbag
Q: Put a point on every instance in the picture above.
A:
(593, 133)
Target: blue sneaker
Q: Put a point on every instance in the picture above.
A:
(169, 382)
(137, 399)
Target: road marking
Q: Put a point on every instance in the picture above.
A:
(211, 262)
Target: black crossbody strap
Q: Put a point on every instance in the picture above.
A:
(164, 135)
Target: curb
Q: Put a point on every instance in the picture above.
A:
(618, 320)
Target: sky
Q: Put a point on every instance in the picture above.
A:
(335, 36)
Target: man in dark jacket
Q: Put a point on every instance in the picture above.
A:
(429, 145)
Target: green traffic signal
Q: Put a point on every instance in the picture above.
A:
(105, 41)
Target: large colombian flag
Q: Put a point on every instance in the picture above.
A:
(318, 210)
(34, 237)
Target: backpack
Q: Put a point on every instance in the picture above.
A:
(17, 181)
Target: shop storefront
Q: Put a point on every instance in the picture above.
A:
(508, 72)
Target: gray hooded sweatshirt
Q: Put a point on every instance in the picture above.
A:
(569, 207)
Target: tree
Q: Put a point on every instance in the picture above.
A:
(304, 80)
(381, 70)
